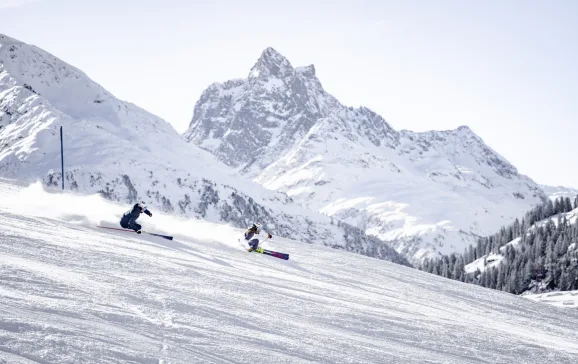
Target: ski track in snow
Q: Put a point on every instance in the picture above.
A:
(73, 293)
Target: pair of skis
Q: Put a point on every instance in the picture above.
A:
(266, 252)
(132, 231)
(271, 253)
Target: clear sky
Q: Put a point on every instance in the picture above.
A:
(507, 69)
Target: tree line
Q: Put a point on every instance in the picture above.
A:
(531, 254)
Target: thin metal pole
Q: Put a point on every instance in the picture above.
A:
(537, 278)
(62, 157)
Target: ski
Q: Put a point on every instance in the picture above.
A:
(132, 231)
(276, 254)
(272, 253)
(160, 235)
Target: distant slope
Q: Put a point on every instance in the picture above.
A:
(555, 192)
(537, 254)
(429, 193)
(72, 293)
(127, 154)
(559, 299)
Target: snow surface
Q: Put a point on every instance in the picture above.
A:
(490, 260)
(486, 262)
(71, 293)
(564, 299)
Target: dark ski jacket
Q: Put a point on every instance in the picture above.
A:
(130, 216)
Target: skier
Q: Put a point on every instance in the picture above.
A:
(250, 236)
(128, 220)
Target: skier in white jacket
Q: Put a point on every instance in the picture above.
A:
(250, 237)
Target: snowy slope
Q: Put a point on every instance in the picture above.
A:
(492, 260)
(555, 192)
(488, 261)
(431, 192)
(129, 155)
(72, 293)
(566, 299)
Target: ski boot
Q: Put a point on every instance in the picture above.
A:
(257, 249)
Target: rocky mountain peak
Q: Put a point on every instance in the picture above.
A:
(271, 64)
(248, 123)
(308, 71)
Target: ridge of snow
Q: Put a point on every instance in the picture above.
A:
(4, 40)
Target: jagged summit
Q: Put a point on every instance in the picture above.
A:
(275, 105)
(271, 64)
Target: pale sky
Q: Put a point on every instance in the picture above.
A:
(507, 69)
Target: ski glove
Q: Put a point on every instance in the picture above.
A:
(269, 236)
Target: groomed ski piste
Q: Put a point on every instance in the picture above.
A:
(73, 293)
(566, 299)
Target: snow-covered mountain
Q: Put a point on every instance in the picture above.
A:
(127, 154)
(72, 293)
(425, 192)
(555, 192)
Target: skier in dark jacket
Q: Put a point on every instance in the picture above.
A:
(250, 236)
(128, 220)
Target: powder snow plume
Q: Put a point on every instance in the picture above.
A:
(92, 210)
